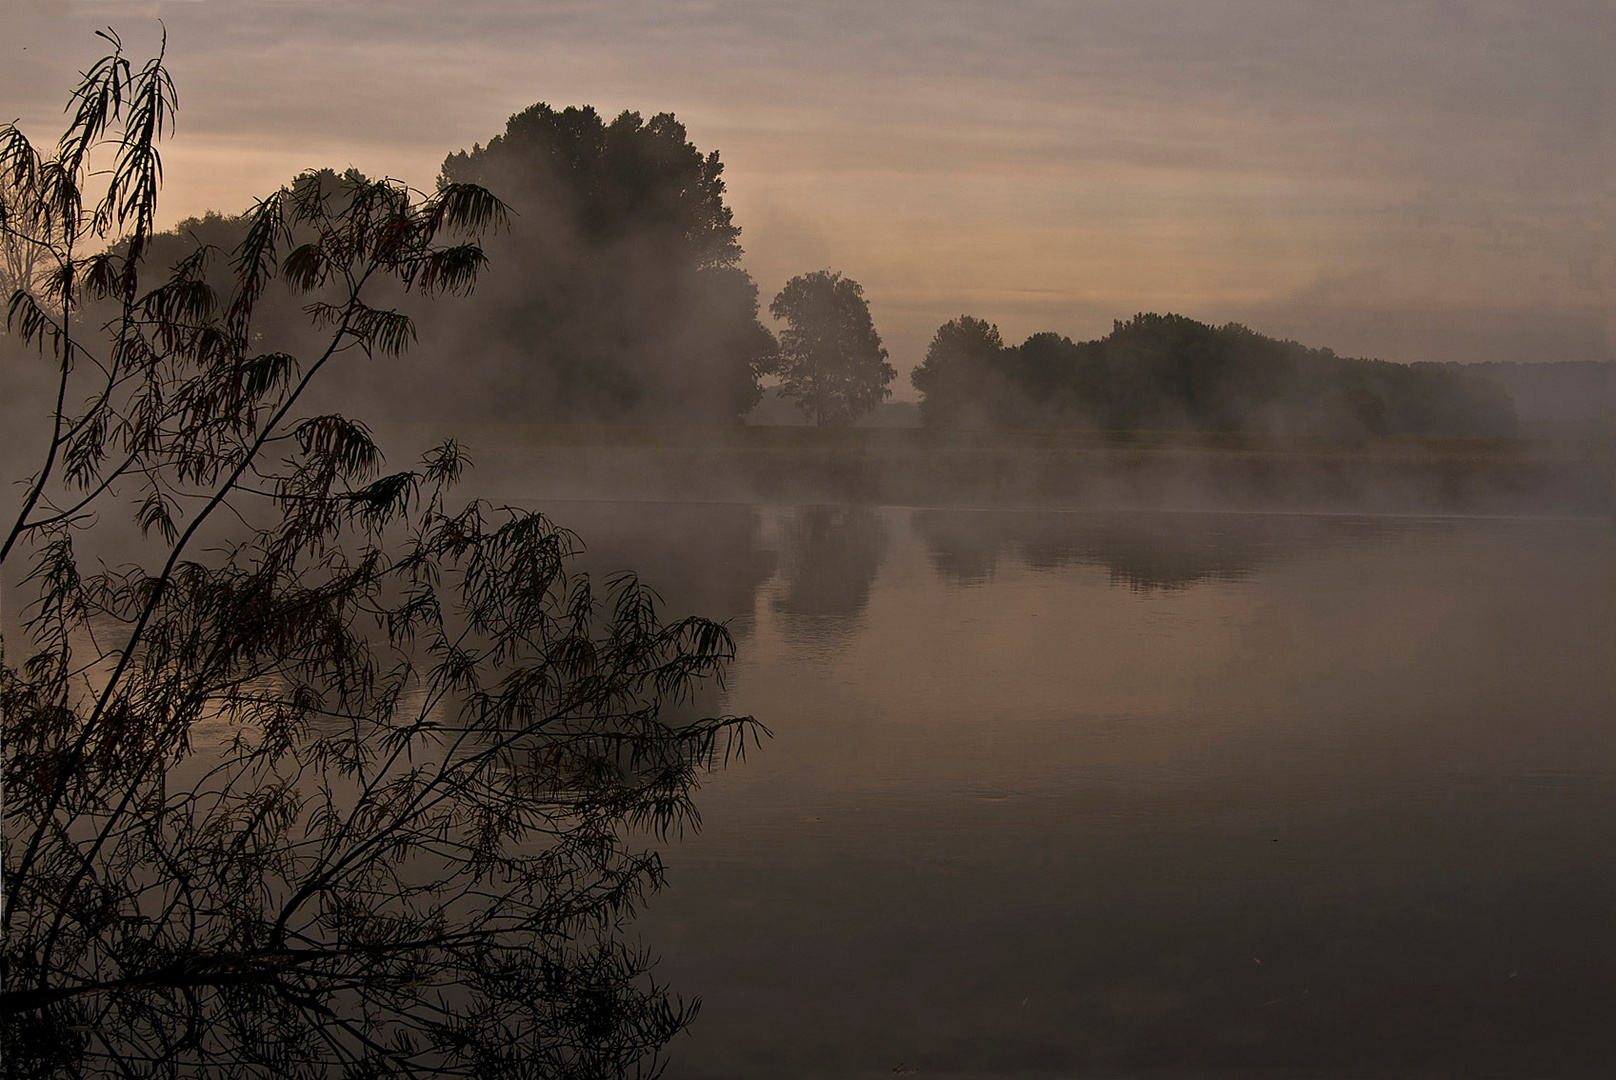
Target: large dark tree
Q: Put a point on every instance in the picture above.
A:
(830, 361)
(621, 296)
(309, 770)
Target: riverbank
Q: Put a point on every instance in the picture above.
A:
(1028, 469)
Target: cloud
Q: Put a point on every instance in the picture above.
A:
(1209, 156)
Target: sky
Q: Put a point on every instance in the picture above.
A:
(1406, 179)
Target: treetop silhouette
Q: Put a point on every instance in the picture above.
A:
(830, 361)
(625, 298)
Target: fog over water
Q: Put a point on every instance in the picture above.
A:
(1256, 741)
(1058, 794)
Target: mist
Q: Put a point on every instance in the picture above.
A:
(1190, 656)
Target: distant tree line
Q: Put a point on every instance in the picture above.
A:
(615, 293)
(1169, 372)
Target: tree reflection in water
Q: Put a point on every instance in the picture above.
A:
(830, 558)
(1142, 551)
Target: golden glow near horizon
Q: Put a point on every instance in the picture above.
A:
(1402, 179)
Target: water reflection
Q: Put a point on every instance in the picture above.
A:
(830, 557)
(704, 559)
(1165, 795)
(1140, 550)
(1082, 795)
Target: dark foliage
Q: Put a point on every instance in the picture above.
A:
(831, 362)
(622, 297)
(314, 773)
(964, 379)
(1167, 372)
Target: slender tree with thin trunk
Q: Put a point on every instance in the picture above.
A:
(321, 774)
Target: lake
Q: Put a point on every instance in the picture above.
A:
(1144, 795)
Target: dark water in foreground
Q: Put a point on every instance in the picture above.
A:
(1146, 795)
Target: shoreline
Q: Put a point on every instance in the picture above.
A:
(1021, 469)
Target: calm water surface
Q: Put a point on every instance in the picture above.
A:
(1145, 795)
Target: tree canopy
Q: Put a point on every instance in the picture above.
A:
(830, 361)
(960, 363)
(623, 295)
(1170, 372)
(309, 770)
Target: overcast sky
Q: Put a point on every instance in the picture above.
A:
(1404, 179)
